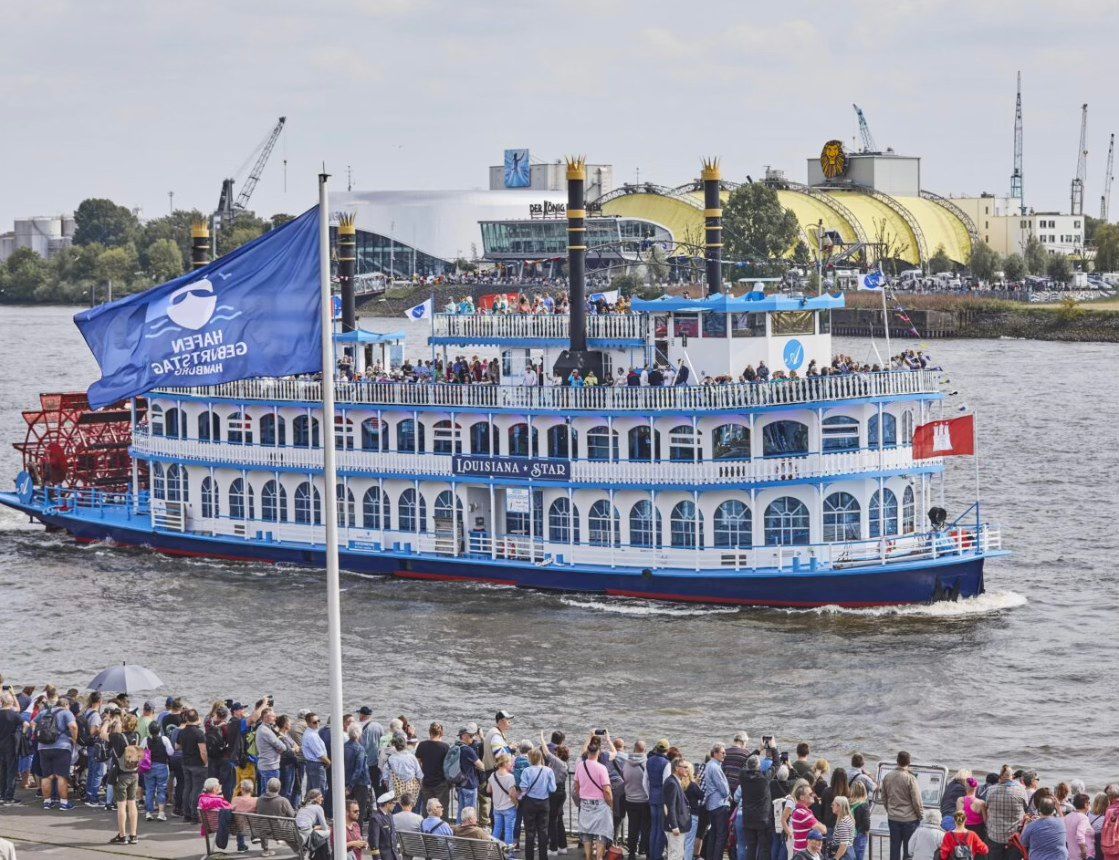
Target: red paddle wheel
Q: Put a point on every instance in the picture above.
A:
(70, 445)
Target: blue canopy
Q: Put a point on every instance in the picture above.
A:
(363, 337)
(755, 302)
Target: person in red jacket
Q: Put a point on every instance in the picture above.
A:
(962, 836)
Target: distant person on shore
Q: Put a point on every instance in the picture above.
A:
(57, 731)
(1006, 809)
(407, 819)
(901, 795)
(431, 753)
(433, 824)
(537, 784)
(273, 803)
(1079, 835)
(677, 812)
(813, 846)
(11, 729)
(356, 768)
(635, 778)
(755, 810)
(1044, 837)
(315, 757)
(595, 799)
(860, 813)
(961, 835)
(469, 828)
(159, 751)
(802, 767)
(716, 800)
(310, 820)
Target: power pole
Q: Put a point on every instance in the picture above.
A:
(1076, 196)
(1016, 173)
(1105, 198)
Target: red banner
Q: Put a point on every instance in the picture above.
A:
(949, 438)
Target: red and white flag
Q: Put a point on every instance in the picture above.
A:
(949, 438)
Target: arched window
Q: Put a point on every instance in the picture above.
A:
(604, 527)
(907, 427)
(446, 438)
(521, 444)
(239, 429)
(241, 505)
(442, 510)
(155, 419)
(408, 440)
(274, 503)
(643, 530)
(685, 444)
(343, 433)
(841, 433)
(308, 505)
(209, 498)
(344, 497)
(159, 483)
(682, 524)
(517, 522)
(644, 444)
(841, 518)
(371, 508)
(561, 522)
(908, 511)
(273, 430)
(174, 424)
(889, 431)
(483, 438)
(730, 442)
(602, 443)
(883, 513)
(374, 435)
(562, 444)
(178, 488)
(209, 427)
(733, 525)
(786, 522)
(408, 513)
(305, 432)
(784, 438)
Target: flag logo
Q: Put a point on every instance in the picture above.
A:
(794, 354)
(193, 305)
(871, 281)
(420, 312)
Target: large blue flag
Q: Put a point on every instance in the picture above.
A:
(254, 312)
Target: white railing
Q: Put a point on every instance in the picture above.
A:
(595, 472)
(686, 398)
(485, 328)
(794, 559)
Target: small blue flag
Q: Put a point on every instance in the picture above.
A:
(871, 281)
(422, 311)
(253, 312)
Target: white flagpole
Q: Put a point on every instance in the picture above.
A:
(330, 513)
(975, 457)
(885, 319)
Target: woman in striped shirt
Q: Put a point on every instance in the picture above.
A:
(844, 833)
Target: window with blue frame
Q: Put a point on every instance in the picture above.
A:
(174, 424)
(178, 486)
(517, 523)
(562, 443)
(602, 443)
(443, 510)
(410, 517)
(908, 511)
(273, 430)
(562, 519)
(784, 438)
(308, 504)
(374, 435)
(603, 524)
(305, 432)
(521, 442)
(344, 497)
(159, 482)
(209, 498)
(408, 440)
(644, 444)
(730, 442)
(209, 427)
(841, 518)
(683, 525)
(241, 505)
(483, 438)
(373, 504)
(883, 513)
(239, 429)
(841, 433)
(685, 444)
(274, 503)
(786, 522)
(446, 438)
(889, 428)
(643, 530)
(733, 525)
(343, 433)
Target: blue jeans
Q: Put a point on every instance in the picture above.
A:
(314, 774)
(689, 838)
(155, 787)
(656, 830)
(466, 797)
(227, 773)
(858, 846)
(900, 831)
(94, 774)
(779, 850)
(289, 788)
(503, 820)
(266, 775)
(739, 837)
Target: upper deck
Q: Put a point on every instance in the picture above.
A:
(599, 399)
(603, 331)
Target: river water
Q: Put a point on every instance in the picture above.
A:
(1026, 674)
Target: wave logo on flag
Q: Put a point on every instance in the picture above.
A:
(872, 281)
(254, 312)
(953, 437)
(421, 311)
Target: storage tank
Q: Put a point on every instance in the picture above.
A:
(69, 225)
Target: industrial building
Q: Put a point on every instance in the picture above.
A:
(46, 235)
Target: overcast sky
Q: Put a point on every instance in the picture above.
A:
(130, 100)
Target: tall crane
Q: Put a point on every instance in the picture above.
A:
(864, 131)
(1016, 173)
(1076, 197)
(1105, 198)
(228, 207)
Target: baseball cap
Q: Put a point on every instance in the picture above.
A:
(472, 727)
(365, 711)
(236, 706)
(465, 730)
(814, 835)
(503, 715)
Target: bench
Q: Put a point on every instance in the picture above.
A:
(432, 847)
(274, 828)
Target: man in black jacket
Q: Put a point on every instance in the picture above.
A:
(756, 811)
(382, 831)
(678, 815)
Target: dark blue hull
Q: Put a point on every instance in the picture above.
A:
(921, 581)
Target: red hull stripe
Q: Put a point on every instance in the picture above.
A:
(448, 577)
(186, 553)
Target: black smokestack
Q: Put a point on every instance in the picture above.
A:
(199, 245)
(713, 225)
(347, 262)
(577, 253)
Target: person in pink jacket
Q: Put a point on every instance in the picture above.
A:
(211, 799)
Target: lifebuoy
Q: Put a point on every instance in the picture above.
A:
(964, 540)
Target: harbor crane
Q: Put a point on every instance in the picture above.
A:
(228, 208)
(1105, 198)
(1016, 174)
(1076, 196)
(864, 131)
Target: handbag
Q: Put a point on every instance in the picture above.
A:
(146, 761)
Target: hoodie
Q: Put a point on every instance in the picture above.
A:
(633, 774)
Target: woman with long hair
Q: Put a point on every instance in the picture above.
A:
(974, 809)
(843, 831)
(596, 801)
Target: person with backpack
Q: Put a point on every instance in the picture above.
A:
(56, 731)
(962, 843)
(125, 757)
(462, 768)
(220, 744)
(89, 739)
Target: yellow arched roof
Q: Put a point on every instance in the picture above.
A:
(941, 228)
(876, 217)
(810, 210)
(683, 221)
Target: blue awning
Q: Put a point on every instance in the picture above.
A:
(364, 337)
(755, 302)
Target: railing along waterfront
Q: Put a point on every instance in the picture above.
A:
(592, 472)
(684, 398)
(484, 328)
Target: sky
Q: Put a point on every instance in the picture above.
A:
(130, 100)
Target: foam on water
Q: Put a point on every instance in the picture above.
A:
(626, 606)
(985, 604)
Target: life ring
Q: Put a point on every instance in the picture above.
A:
(964, 539)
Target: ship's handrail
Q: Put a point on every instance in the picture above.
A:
(684, 398)
(484, 328)
(70, 498)
(593, 472)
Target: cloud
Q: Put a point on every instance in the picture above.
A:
(348, 63)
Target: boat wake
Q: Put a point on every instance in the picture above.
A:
(626, 606)
(985, 604)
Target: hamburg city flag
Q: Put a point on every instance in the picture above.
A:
(873, 281)
(253, 312)
(949, 438)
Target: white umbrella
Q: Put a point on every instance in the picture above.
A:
(125, 679)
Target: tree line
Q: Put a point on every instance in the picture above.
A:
(111, 245)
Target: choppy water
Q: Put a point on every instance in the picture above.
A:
(1026, 673)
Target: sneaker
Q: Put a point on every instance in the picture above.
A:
(48, 804)
(268, 853)
(161, 817)
(148, 816)
(67, 806)
(93, 804)
(15, 803)
(110, 807)
(133, 840)
(118, 840)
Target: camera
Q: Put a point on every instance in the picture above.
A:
(600, 732)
